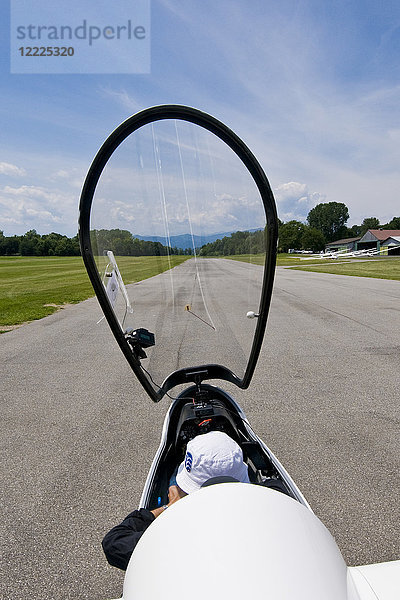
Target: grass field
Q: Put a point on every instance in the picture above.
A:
(283, 260)
(378, 268)
(34, 287)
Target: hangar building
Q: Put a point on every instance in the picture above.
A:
(348, 244)
(385, 240)
(380, 239)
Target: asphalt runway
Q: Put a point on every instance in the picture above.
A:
(79, 434)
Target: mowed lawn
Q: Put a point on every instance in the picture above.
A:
(378, 267)
(286, 260)
(34, 287)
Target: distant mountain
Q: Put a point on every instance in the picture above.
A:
(184, 240)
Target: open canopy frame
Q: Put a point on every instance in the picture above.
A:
(195, 373)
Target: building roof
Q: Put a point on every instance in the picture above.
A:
(396, 238)
(345, 241)
(384, 234)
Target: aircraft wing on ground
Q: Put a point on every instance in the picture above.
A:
(378, 581)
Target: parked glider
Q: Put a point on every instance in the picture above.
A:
(165, 171)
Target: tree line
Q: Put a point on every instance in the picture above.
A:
(33, 244)
(240, 242)
(121, 242)
(325, 223)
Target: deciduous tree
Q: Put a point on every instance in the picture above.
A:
(330, 218)
(290, 235)
(313, 239)
(369, 223)
(393, 224)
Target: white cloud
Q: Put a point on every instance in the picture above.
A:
(221, 214)
(122, 212)
(73, 176)
(302, 104)
(295, 201)
(29, 191)
(124, 98)
(33, 207)
(305, 112)
(62, 173)
(13, 170)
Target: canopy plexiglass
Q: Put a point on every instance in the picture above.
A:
(170, 192)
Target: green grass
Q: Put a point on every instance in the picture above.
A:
(255, 259)
(378, 267)
(27, 284)
(288, 260)
(282, 260)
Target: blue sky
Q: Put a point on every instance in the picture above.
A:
(312, 87)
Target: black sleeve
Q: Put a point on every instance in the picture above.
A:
(120, 542)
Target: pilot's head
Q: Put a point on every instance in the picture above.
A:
(209, 456)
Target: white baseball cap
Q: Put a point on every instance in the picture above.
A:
(211, 455)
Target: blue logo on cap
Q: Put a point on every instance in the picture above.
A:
(188, 462)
